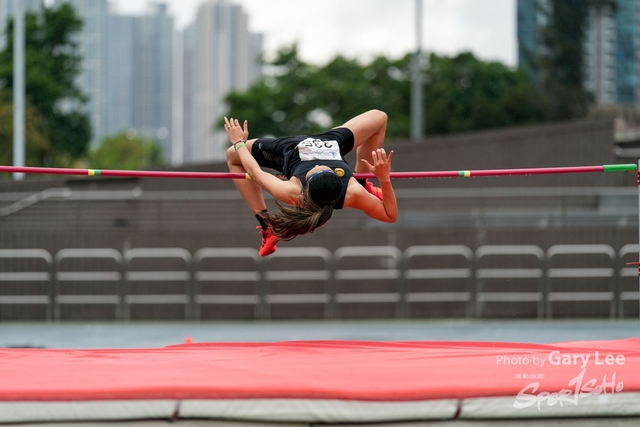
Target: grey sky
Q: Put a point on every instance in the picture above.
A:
(363, 28)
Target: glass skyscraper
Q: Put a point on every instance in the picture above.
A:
(527, 27)
(138, 79)
(127, 70)
(610, 48)
(221, 55)
(626, 52)
(92, 42)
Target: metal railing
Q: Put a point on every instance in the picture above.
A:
(463, 271)
(363, 276)
(536, 273)
(236, 275)
(134, 276)
(604, 272)
(62, 276)
(45, 274)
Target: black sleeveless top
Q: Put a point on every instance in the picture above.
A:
(283, 154)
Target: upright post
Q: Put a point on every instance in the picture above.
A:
(177, 134)
(18, 87)
(416, 90)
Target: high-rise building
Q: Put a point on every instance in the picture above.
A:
(152, 85)
(220, 56)
(529, 21)
(600, 62)
(138, 79)
(117, 110)
(627, 53)
(188, 37)
(611, 53)
(177, 129)
(127, 70)
(6, 12)
(92, 41)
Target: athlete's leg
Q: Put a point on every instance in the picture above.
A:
(368, 131)
(252, 195)
(250, 191)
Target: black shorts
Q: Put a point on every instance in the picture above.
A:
(274, 153)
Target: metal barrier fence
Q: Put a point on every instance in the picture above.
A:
(371, 276)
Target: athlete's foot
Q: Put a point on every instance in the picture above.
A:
(269, 242)
(376, 191)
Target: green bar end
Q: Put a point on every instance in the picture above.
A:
(620, 168)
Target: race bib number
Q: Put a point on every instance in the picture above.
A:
(316, 149)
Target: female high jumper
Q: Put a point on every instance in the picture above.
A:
(319, 180)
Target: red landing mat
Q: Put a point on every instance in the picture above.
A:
(343, 370)
(356, 370)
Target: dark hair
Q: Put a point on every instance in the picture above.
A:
(291, 221)
(325, 189)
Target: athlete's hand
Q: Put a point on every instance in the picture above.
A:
(235, 131)
(381, 167)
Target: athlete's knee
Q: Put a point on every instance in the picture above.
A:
(379, 116)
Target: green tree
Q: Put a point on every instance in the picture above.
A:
(36, 143)
(462, 93)
(297, 97)
(125, 151)
(52, 64)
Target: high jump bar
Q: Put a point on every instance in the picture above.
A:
(393, 175)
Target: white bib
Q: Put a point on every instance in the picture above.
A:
(315, 149)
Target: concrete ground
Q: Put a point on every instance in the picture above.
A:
(159, 334)
(593, 422)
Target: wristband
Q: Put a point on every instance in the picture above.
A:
(239, 145)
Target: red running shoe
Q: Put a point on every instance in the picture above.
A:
(376, 191)
(269, 242)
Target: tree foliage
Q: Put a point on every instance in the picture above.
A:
(297, 97)
(36, 143)
(52, 64)
(125, 150)
(462, 93)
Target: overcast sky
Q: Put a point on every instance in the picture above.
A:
(363, 28)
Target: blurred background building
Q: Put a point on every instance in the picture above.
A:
(143, 76)
(220, 55)
(611, 53)
(139, 91)
(93, 42)
(6, 11)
